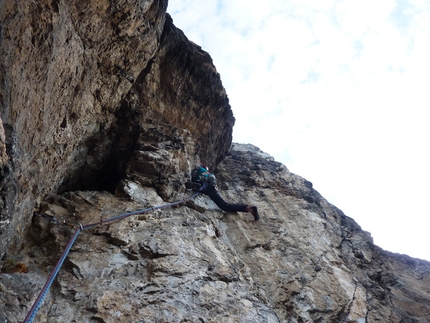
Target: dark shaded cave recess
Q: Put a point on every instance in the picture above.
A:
(121, 152)
(105, 155)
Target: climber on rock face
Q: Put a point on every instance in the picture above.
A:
(205, 182)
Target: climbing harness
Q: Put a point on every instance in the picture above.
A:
(33, 311)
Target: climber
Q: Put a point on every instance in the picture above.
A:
(205, 182)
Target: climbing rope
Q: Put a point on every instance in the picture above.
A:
(33, 311)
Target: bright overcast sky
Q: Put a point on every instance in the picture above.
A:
(339, 92)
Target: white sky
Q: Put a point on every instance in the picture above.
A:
(338, 91)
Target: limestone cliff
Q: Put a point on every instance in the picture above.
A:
(105, 108)
(81, 82)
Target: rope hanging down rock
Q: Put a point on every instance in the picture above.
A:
(33, 311)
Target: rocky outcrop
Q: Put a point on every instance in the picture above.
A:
(105, 109)
(305, 261)
(81, 84)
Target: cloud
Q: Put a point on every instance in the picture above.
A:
(337, 91)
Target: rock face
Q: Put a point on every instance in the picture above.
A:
(81, 83)
(105, 109)
(305, 261)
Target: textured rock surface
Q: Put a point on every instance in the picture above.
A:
(105, 108)
(305, 261)
(79, 82)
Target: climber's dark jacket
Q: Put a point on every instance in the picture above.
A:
(205, 182)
